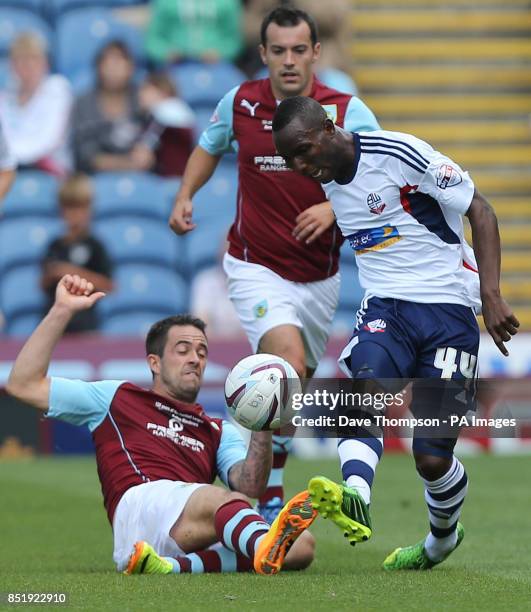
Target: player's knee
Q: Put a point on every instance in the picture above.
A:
(431, 467)
(230, 496)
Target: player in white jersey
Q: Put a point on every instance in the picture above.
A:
(400, 204)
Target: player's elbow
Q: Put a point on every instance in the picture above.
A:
(32, 393)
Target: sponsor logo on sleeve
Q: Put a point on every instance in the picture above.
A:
(448, 176)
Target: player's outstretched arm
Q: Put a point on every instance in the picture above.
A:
(497, 314)
(199, 168)
(250, 475)
(28, 379)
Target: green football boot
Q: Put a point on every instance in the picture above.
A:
(144, 560)
(344, 506)
(415, 557)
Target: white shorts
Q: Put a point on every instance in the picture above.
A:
(264, 300)
(148, 512)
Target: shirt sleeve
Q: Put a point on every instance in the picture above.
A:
(218, 137)
(359, 118)
(231, 450)
(446, 182)
(81, 403)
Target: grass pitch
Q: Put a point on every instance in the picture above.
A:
(55, 537)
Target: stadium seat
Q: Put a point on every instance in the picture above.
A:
(24, 240)
(20, 293)
(22, 325)
(132, 323)
(214, 211)
(337, 79)
(350, 291)
(58, 7)
(205, 84)
(32, 5)
(82, 32)
(33, 193)
(139, 240)
(14, 21)
(202, 119)
(141, 288)
(132, 194)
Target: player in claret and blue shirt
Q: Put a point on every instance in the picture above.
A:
(158, 454)
(282, 261)
(400, 204)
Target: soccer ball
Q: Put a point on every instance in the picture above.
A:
(258, 391)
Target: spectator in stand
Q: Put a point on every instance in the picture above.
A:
(107, 121)
(35, 108)
(169, 135)
(208, 31)
(219, 314)
(77, 252)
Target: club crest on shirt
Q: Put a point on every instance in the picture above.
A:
(448, 176)
(375, 204)
(260, 309)
(376, 326)
(331, 111)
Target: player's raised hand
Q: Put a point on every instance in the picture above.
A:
(76, 293)
(499, 321)
(313, 221)
(181, 216)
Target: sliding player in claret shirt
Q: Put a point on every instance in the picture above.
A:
(158, 454)
(400, 204)
(282, 262)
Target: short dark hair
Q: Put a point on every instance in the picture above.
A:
(113, 45)
(306, 109)
(288, 17)
(158, 332)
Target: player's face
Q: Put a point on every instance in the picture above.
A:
(290, 55)
(183, 362)
(308, 152)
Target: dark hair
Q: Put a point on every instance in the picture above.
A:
(158, 332)
(115, 45)
(310, 112)
(288, 17)
(161, 81)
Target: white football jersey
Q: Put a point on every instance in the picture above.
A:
(402, 214)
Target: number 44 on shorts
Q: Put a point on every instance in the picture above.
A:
(446, 361)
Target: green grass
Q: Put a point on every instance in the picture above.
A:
(55, 537)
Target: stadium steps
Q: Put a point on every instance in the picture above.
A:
(444, 77)
(461, 131)
(458, 74)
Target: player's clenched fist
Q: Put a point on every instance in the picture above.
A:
(181, 216)
(76, 293)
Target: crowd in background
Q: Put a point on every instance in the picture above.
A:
(130, 117)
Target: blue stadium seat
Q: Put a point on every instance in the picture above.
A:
(24, 240)
(129, 193)
(22, 325)
(343, 322)
(135, 323)
(337, 79)
(62, 6)
(20, 293)
(141, 287)
(33, 5)
(202, 119)
(139, 240)
(214, 211)
(82, 32)
(33, 193)
(205, 84)
(14, 21)
(350, 291)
